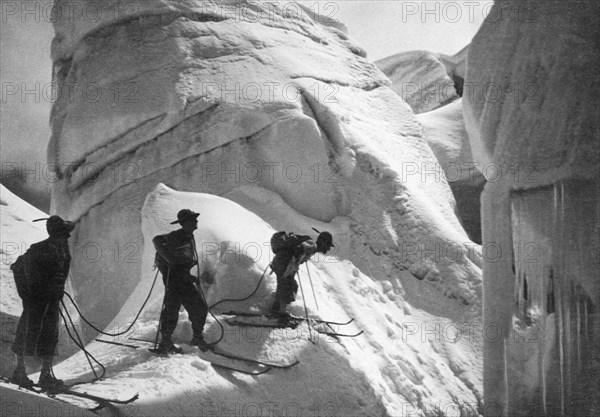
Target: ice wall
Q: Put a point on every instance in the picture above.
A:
(213, 97)
(424, 79)
(444, 129)
(432, 84)
(531, 104)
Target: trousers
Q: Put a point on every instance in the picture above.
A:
(180, 290)
(37, 331)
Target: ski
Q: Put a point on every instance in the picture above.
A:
(251, 362)
(38, 391)
(231, 368)
(117, 343)
(219, 365)
(99, 399)
(296, 320)
(292, 324)
(101, 402)
(335, 334)
(245, 314)
(255, 361)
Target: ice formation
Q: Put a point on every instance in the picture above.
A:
(214, 102)
(263, 118)
(531, 108)
(426, 80)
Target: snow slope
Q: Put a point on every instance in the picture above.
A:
(407, 361)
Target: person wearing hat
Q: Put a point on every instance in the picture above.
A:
(297, 250)
(175, 256)
(40, 275)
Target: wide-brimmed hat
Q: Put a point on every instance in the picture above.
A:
(326, 237)
(184, 215)
(56, 225)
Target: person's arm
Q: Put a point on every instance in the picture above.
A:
(305, 250)
(161, 246)
(174, 255)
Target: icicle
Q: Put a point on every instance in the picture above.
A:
(578, 335)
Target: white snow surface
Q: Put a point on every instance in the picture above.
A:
(424, 79)
(407, 361)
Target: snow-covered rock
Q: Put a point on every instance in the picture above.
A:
(426, 80)
(216, 99)
(444, 129)
(531, 109)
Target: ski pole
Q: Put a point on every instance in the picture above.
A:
(311, 286)
(305, 309)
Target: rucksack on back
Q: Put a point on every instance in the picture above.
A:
(161, 263)
(283, 240)
(21, 280)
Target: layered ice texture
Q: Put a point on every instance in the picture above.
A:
(531, 109)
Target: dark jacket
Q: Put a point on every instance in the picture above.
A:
(174, 253)
(46, 267)
(287, 260)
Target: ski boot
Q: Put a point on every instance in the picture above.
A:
(20, 378)
(275, 308)
(201, 343)
(279, 311)
(49, 382)
(167, 346)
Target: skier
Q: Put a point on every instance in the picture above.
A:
(175, 256)
(290, 251)
(40, 275)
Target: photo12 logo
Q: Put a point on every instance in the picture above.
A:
(49, 12)
(467, 11)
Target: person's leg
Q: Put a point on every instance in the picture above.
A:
(19, 375)
(47, 378)
(168, 319)
(284, 294)
(23, 345)
(276, 306)
(287, 288)
(197, 313)
(46, 345)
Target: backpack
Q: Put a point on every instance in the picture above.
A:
(21, 280)
(286, 241)
(161, 263)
